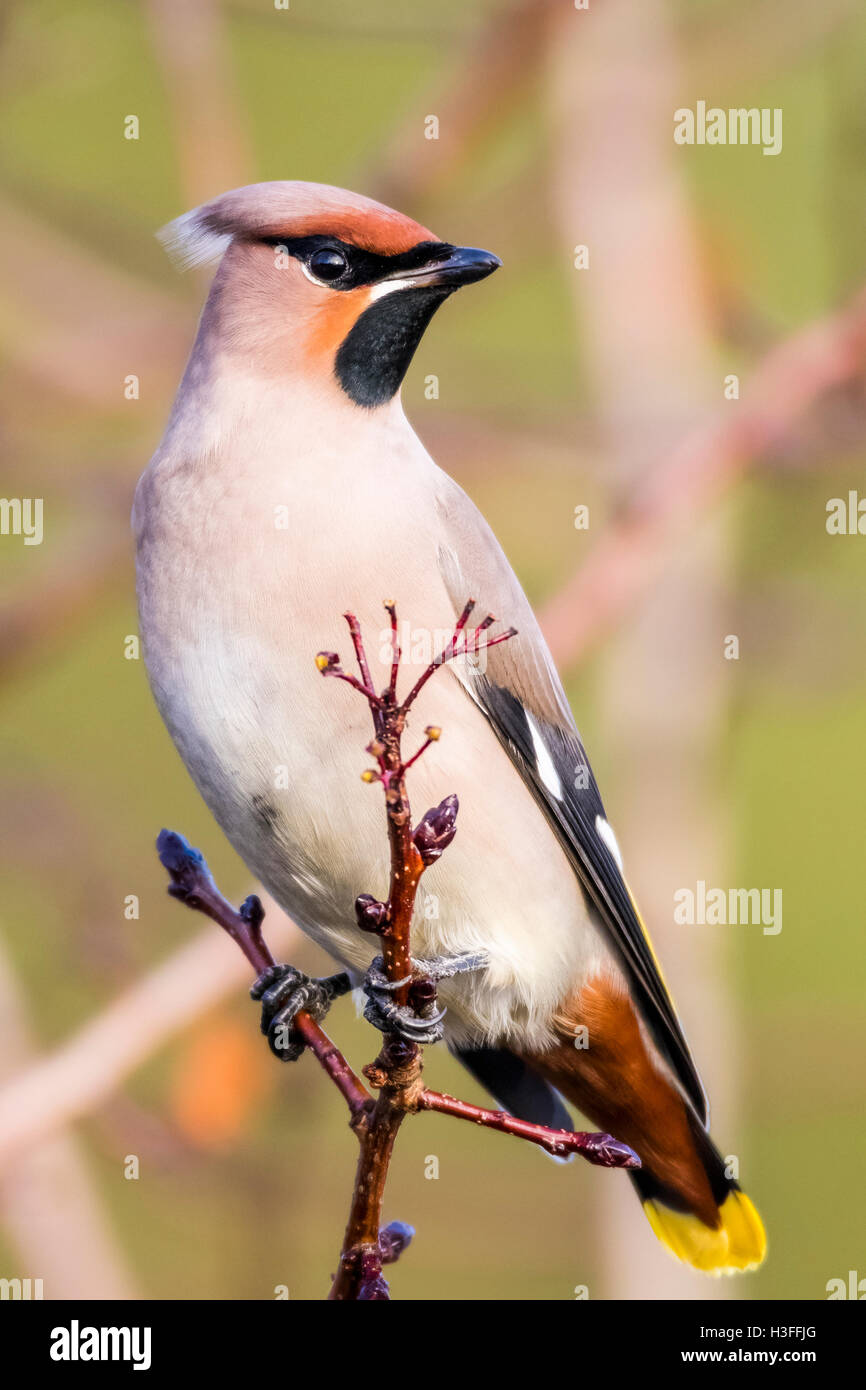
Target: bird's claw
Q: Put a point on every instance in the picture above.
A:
(284, 991)
(403, 1019)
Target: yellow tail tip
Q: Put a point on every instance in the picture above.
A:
(737, 1243)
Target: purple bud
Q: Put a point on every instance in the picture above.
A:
(437, 829)
(252, 911)
(371, 915)
(374, 1290)
(422, 993)
(397, 1053)
(393, 1240)
(373, 1286)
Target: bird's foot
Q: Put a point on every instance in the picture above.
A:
(419, 1021)
(284, 991)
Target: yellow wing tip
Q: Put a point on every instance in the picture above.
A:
(736, 1245)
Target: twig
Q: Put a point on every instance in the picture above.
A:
(470, 647)
(192, 883)
(600, 1149)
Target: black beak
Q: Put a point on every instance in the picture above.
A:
(453, 267)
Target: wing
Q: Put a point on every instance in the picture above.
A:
(522, 697)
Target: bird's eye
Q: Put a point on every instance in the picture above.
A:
(328, 264)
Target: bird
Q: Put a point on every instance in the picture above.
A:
(290, 486)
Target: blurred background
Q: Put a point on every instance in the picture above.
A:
(693, 377)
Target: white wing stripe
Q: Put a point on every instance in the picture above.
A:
(546, 769)
(605, 832)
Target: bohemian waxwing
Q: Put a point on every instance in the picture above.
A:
(289, 487)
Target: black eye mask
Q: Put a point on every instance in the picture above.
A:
(362, 267)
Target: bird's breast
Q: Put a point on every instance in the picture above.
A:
(245, 571)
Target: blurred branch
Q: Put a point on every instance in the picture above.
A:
(189, 41)
(495, 70)
(82, 1072)
(48, 1205)
(793, 377)
(79, 325)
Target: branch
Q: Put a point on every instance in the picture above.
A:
(193, 884)
(397, 1070)
(600, 1149)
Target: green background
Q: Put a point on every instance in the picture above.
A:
(89, 774)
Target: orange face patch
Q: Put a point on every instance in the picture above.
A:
(334, 320)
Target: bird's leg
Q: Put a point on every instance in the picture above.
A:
(419, 1021)
(284, 991)
(443, 967)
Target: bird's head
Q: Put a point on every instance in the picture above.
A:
(318, 282)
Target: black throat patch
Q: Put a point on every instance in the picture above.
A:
(374, 356)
